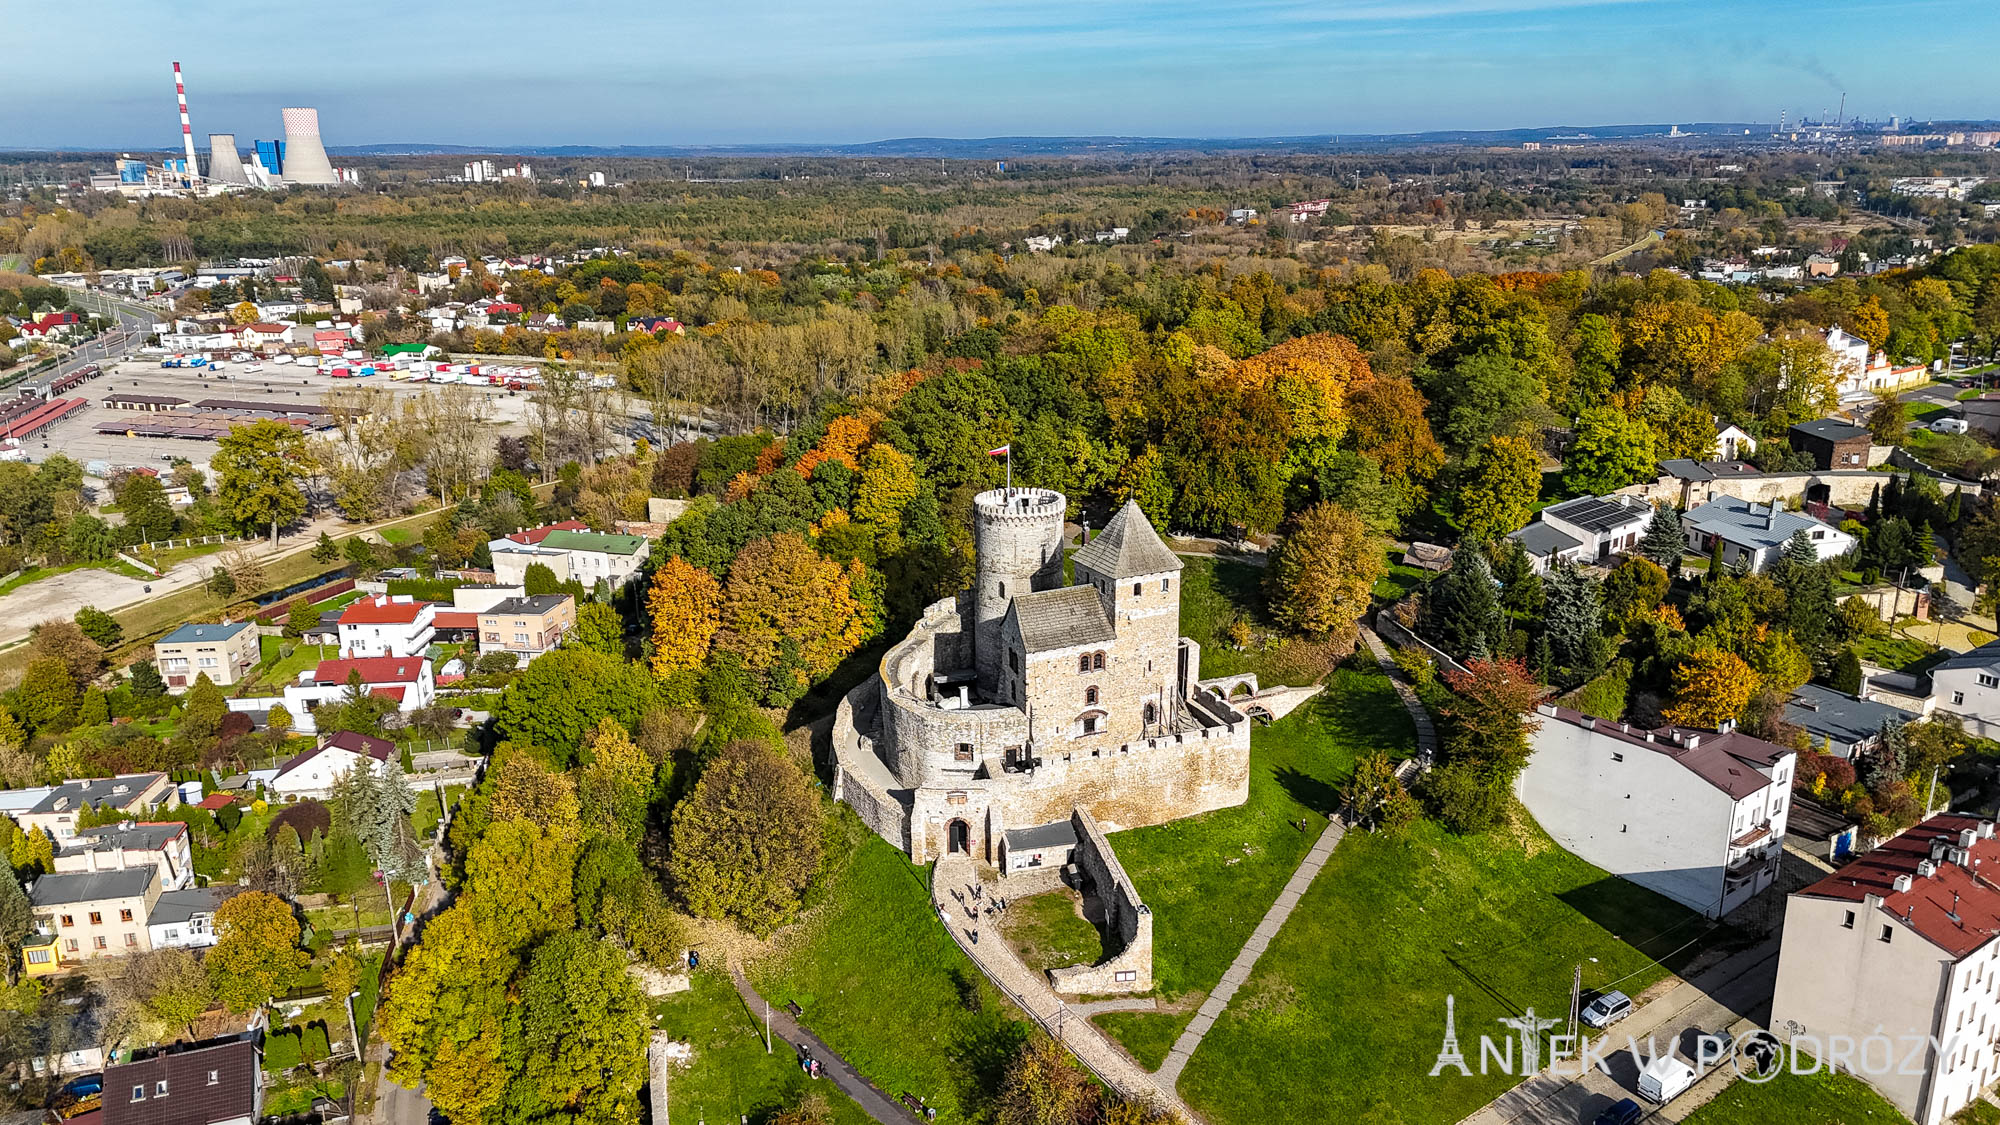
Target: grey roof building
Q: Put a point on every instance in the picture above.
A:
(1070, 615)
(1755, 534)
(1848, 725)
(1587, 529)
(67, 888)
(1127, 546)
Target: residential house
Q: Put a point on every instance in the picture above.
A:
(405, 679)
(186, 917)
(225, 653)
(1898, 945)
(133, 793)
(115, 847)
(1838, 723)
(266, 335)
(1754, 535)
(1968, 685)
(1588, 529)
(1832, 443)
(219, 1082)
(315, 772)
(1820, 265)
(51, 326)
(1697, 816)
(586, 556)
(1733, 442)
(527, 627)
(96, 913)
(653, 325)
(380, 625)
(478, 597)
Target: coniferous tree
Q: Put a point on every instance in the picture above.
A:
(1715, 560)
(1846, 675)
(1665, 541)
(1572, 622)
(1462, 610)
(1873, 511)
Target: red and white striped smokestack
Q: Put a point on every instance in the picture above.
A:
(187, 130)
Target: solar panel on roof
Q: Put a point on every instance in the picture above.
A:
(1595, 515)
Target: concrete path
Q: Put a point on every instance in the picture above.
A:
(1427, 739)
(874, 1102)
(1169, 1073)
(1738, 986)
(951, 884)
(1090, 1008)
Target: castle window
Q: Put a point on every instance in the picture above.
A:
(963, 753)
(1089, 727)
(1003, 589)
(1136, 587)
(1090, 697)
(1166, 584)
(1152, 714)
(1083, 663)
(1013, 660)
(1097, 661)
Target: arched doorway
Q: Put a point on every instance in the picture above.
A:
(957, 838)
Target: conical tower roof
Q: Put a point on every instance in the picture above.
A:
(1127, 547)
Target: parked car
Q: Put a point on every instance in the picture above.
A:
(1606, 1010)
(1664, 1079)
(1624, 1112)
(1949, 426)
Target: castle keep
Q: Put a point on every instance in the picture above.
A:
(1026, 698)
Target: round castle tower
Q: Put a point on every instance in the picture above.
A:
(1018, 534)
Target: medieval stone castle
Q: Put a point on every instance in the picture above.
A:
(1025, 699)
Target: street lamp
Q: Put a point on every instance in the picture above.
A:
(353, 1028)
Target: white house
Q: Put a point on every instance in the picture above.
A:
(1898, 947)
(387, 626)
(1698, 816)
(1968, 685)
(405, 679)
(1754, 534)
(314, 772)
(587, 556)
(115, 847)
(1587, 529)
(1733, 442)
(186, 917)
(1859, 373)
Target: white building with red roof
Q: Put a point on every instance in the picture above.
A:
(405, 679)
(49, 325)
(1899, 945)
(314, 773)
(1695, 815)
(380, 625)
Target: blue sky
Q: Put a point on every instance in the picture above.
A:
(499, 72)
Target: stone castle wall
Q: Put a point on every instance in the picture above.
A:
(1128, 922)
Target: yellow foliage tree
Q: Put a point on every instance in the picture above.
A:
(888, 482)
(1500, 493)
(685, 602)
(844, 440)
(1711, 687)
(243, 313)
(1310, 377)
(1322, 573)
(780, 587)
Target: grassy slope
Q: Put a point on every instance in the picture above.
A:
(1355, 983)
(1209, 879)
(1823, 1099)
(885, 986)
(1216, 592)
(730, 1074)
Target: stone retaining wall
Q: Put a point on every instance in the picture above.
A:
(1127, 919)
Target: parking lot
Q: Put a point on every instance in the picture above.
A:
(76, 436)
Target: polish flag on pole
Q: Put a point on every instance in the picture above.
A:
(1003, 451)
(1006, 451)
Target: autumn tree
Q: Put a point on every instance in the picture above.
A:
(685, 603)
(47, 695)
(1610, 450)
(781, 588)
(1499, 490)
(525, 789)
(1322, 574)
(615, 784)
(172, 985)
(887, 483)
(1375, 796)
(563, 694)
(1485, 744)
(258, 468)
(64, 641)
(256, 955)
(600, 629)
(1711, 687)
(1387, 423)
(745, 842)
(17, 921)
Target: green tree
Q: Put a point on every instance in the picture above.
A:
(1665, 540)
(1461, 610)
(1499, 489)
(1572, 620)
(583, 1033)
(1375, 796)
(258, 468)
(17, 920)
(562, 695)
(600, 629)
(1611, 449)
(278, 720)
(203, 709)
(1846, 675)
(1888, 419)
(362, 557)
(172, 986)
(325, 550)
(102, 629)
(300, 618)
(221, 583)
(745, 842)
(1322, 574)
(539, 581)
(256, 955)
(146, 681)
(143, 500)
(47, 695)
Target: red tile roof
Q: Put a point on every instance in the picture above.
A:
(456, 619)
(535, 535)
(380, 610)
(373, 669)
(216, 801)
(394, 692)
(1956, 909)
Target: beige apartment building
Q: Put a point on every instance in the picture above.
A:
(226, 653)
(96, 913)
(527, 627)
(1899, 944)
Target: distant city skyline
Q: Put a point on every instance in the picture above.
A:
(507, 73)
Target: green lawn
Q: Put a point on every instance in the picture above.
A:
(1398, 581)
(730, 1074)
(1355, 984)
(1209, 879)
(397, 536)
(1894, 651)
(1218, 592)
(277, 671)
(1823, 1098)
(425, 819)
(1049, 933)
(1980, 1112)
(1147, 1036)
(884, 985)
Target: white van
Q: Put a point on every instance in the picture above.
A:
(1664, 1079)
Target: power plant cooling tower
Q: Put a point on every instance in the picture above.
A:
(225, 164)
(305, 156)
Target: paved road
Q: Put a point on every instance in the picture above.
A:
(1737, 988)
(397, 1106)
(132, 327)
(877, 1104)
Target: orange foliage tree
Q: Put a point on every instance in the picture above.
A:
(685, 602)
(780, 587)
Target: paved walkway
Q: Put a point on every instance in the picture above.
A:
(1427, 739)
(874, 1102)
(1169, 1074)
(951, 882)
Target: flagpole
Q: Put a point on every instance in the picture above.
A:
(1010, 468)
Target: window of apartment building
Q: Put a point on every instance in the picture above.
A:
(1847, 923)
(138, 1093)
(67, 920)
(1987, 679)
(963, 753)
(124, 915)
(1888, 933)
(521, 638)
(70, 945)
(1957, 698)
(1617, 757)
(131, 940)
(96, 919)
(214, 1077)
(160, 1088)
(100, 942)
